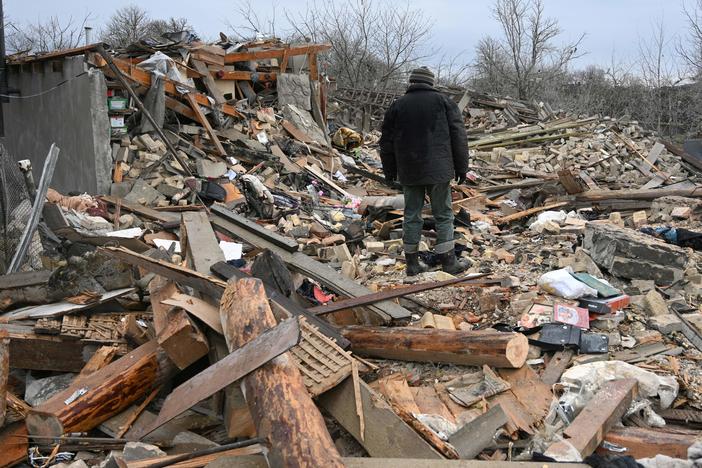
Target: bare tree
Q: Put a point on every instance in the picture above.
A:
(253, 22)
(372, 43)
(131, 23)
(526, 56)
(453, 72)
(45, 36)
(690, 47)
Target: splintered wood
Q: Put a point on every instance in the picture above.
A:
(321, 362)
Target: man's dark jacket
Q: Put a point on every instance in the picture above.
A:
(424, 138)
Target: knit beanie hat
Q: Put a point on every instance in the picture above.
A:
(422, 75)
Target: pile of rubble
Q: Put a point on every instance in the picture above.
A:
(239, 296)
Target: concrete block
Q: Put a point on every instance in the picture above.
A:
(655, 305)
(143, 194)
(681, 212)
(552, 227)
(334, 239)
(139, 451)
(630, 254)
(343, 254)
(639, 219)
(210, 169)
(666, 324)
(373, 246)
(348, 269)
(695, 320)
(616, 219)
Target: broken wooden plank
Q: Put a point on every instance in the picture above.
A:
(202, 118)
(386, 435)
(471, 348)
(641, 442)
(588, 429)
(201, 309)
(102, 394)
(278, 53)
(477, 434)
(393, 293)
(234, 366)
(199, 242)
(281, 408)
(102, 357)
(570, 182)
(208, 80)
(556, 366)
(179, 337)
(529, 212)
(534, 395)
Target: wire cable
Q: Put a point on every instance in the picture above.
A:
(30, 96)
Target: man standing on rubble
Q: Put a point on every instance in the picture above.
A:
(424, 146)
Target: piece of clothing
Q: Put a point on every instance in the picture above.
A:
(424, 138)
(440, 199)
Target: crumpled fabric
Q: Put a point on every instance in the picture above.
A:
(80, 203)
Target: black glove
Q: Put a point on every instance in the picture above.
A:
(461, 178)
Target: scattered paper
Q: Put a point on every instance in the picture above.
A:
(131, 233)
(231, 250)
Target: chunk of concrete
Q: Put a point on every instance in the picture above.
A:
(210, 169)
(666, 324)
(134, 451)
(639, 219)
(630, 254)
(143, 194)
(655, 305)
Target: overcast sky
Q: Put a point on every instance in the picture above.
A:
(609, 25)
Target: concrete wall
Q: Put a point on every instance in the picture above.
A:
(73, 115)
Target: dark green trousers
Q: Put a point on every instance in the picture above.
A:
(440, 199)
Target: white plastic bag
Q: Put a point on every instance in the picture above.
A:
(561, 283)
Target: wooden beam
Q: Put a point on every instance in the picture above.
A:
(529, 212)
(469, 348)
(208, 81)
(281, 408)
(57, 54)
(240, 75)
(274, 53)
(29, 350)
(588, 429)
(202, 118)
(385, 435)
(393, 293)
(176, 334)
(145, 211)
(199, 242)
(103, 394)
(286, 243)
(641, 442)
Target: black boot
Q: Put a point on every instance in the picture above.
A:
(414, 265)
(452, 265)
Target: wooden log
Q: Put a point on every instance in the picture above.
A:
(529, 212)
(102, 394)
(495, 349)
(602, 195)
(4, 372)
(641, 442)
(176, 333)
(282, 410)
(190, 97)
(588, 429)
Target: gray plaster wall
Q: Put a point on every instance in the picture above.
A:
(73, 115)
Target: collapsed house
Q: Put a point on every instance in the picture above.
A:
(231, 287)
